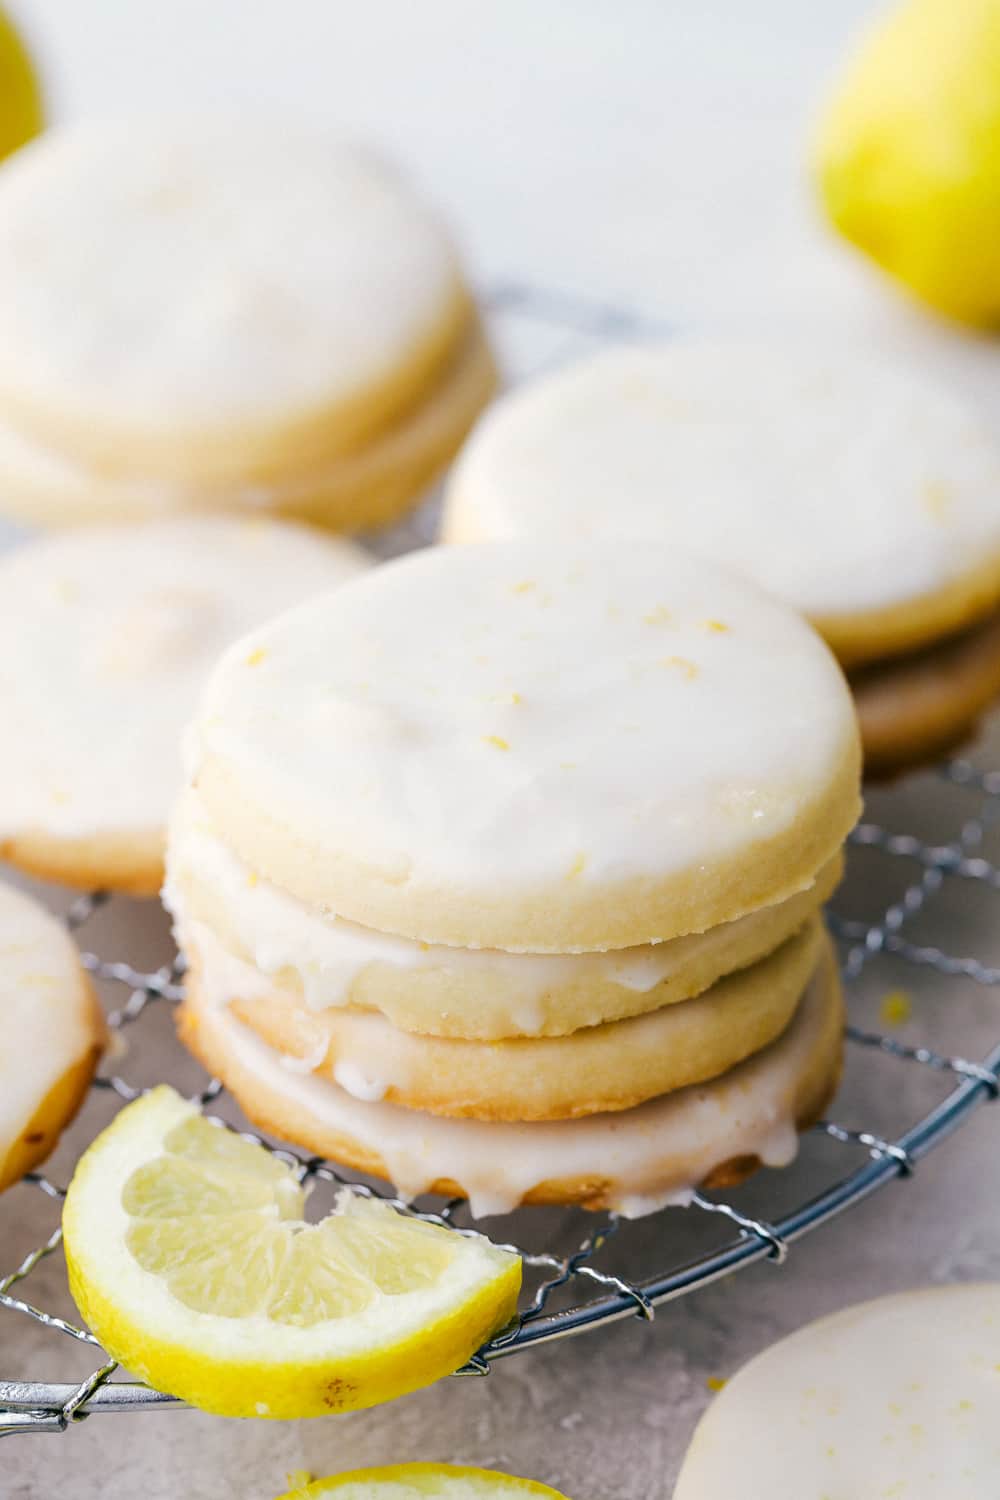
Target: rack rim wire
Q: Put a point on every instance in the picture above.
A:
(36, 1406)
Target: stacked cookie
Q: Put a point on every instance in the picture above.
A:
(225, 318)
(860, 494)
(498, 871)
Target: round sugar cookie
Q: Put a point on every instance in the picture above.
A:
(540, 747)
(595, 1070)
(108, 636)
(896, 1397)
(859, 493)
(713, 1135)
(477, 994)
(913, 709)
(365, 488)
(215, 302)
(51, 1037)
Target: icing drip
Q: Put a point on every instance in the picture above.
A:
(281, 936)
(651, 1155)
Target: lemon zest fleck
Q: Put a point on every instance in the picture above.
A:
(682, 665)
(896, 1008)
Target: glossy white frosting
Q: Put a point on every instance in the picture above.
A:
(840, 483)
(653, 1154)
(108, 635)
(471, 724)
(896, 1399)
(327, 954)
(46, 1017)
(181, 278)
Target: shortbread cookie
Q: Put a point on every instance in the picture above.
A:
(478, 994)
(595, 1070)
(216, 303)
(861, 494)
(915, 708)
(635, 1161)
(896, 1397)
(51, 1037)
(540, 747)
(108, 636)
(365, 488)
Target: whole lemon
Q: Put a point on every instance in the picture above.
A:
(908, 153)
(20, 97)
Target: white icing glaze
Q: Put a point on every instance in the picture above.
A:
(540, 1078)
(327, 953)
(471, 723)
(108, 635)
(652, 1154)
(839, 483)
(46, 1020)
(893, 1398)
(188, 276)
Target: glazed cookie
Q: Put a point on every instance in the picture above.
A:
(365, 488)
(108, 636)
(893, 1397)
(917, 707)
(202, 299)
(596, 1069)
(498, 871)
(52, 1035)
(633, 1161)
(863, 496)
(539, 747)
(209, 316)
(476, 994)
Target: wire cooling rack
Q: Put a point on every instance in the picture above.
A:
(922, 890)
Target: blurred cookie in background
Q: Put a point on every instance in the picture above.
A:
(209, 316)
(108, 636)
(864, 496)
(892, 1397)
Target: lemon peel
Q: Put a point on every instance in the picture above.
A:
(190, 1258)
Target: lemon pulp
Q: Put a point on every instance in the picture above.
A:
(190, 1257)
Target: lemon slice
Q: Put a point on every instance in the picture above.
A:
(410, 1481)
(190, 1259)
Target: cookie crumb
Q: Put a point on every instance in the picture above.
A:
(714, 1383)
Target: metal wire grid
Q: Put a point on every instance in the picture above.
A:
(571, 1285)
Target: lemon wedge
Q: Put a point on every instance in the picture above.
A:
(20, 99)
(411, 1481)
(191, 1261)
